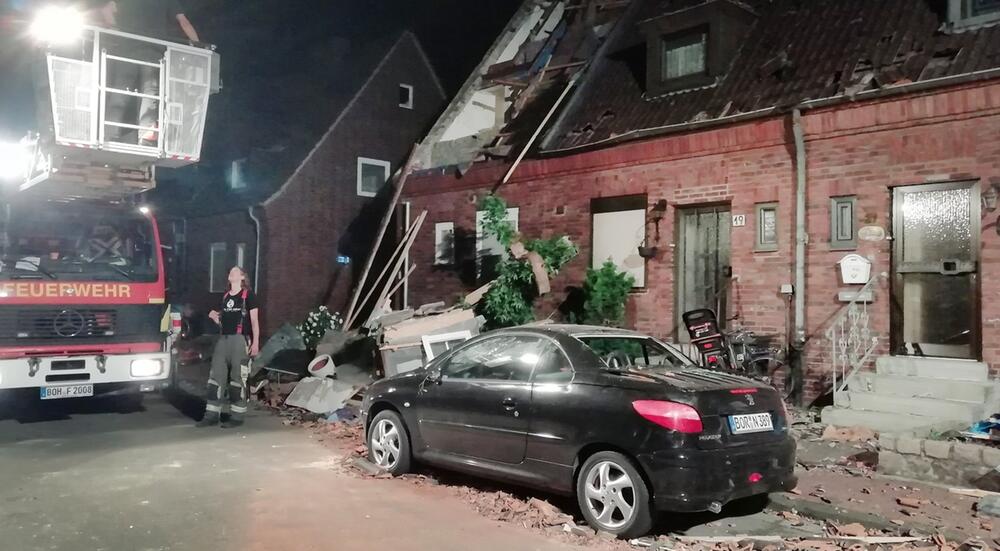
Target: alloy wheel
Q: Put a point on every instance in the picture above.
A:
(610, 495)
(385, 444)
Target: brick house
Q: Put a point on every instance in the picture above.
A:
(681, 135)
(315, 209)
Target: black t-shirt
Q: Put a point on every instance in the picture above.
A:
(152, 18)
(232, 310)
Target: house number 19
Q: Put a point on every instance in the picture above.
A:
(739, 220)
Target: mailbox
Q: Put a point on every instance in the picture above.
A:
(855, 269)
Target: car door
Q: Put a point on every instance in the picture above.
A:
(480, 406)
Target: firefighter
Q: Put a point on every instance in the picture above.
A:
(238, 342)
(150, 18)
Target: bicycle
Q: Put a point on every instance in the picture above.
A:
(752, 356)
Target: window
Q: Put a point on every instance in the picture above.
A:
(634, 352)
(618, 226)
(236, 181)
(767, 227)
(683, 55)
(372, 175)
(444, 243)
(502, 358)
(842, 223)
(489, 251)
(241, 255)
(406, 96)
(217, 267)
(971, 13)
(553, 368)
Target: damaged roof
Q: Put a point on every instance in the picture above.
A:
(794, 50)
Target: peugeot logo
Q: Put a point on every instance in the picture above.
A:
(749, 398)
(69, 323)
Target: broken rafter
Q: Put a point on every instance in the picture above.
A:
(404, 174)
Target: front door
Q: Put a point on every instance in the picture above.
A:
(703, 269)
(481, 407)
(935, 306)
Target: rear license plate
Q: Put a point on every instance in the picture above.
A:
(755, 422)
(67, 391)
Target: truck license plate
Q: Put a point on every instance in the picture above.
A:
(755, 422)
(67, 391)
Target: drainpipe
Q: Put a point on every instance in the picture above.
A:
(801, 238)
(256, 260)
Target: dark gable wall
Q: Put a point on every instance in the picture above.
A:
(306, 223)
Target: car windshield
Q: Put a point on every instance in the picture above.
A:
(642, 353)
(75, 242)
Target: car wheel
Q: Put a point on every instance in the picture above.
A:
(388, 443)
(613, 495)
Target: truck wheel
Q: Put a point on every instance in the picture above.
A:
(613, 496)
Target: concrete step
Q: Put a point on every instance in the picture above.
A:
(889, 423)
(932, 408)
(978, 392)
(932, 368)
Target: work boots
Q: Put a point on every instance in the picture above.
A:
(209, 420)
(232, 423)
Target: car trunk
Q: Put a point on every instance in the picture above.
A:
(735, 411)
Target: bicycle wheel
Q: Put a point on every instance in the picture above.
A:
(776, 373)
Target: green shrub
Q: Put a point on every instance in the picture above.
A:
(606, 292)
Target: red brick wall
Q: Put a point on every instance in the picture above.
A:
(307, 221)
(861, 149)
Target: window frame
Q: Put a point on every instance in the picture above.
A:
(386, 166)
(241, 255)
(957, 18)
(440, 230)
(513, 216)
(409, 88)
(212, 248)
(236, 180)
(678, 40)
(759, 244)
(621, 204)
(837, 244)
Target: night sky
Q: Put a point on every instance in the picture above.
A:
(285, 62)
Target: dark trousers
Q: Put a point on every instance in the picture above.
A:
(225, 382)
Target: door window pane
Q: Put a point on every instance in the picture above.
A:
(501, 358)
(936, 225)
(938, 313)
(553, 368)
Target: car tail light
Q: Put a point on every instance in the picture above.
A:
(671, 415)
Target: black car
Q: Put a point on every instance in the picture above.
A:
(625, 422)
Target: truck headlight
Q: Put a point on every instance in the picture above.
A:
(57, 25)
(146, 368)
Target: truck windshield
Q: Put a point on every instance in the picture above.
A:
(76, 242)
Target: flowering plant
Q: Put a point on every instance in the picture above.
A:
(317, 323)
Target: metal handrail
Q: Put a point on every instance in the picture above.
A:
(852, 340)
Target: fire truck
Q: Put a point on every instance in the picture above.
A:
(83, 305)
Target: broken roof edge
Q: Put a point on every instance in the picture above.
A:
(475, 79)
(878, 93)
(347, 109)
(737, 3)
(596, 60)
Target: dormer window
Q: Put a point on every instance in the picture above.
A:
(684, 55)
(693, 47)
(963, 14)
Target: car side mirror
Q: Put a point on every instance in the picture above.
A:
(434, 375)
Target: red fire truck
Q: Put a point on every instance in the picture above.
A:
(83, 305)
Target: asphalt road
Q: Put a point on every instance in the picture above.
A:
(87, 475)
